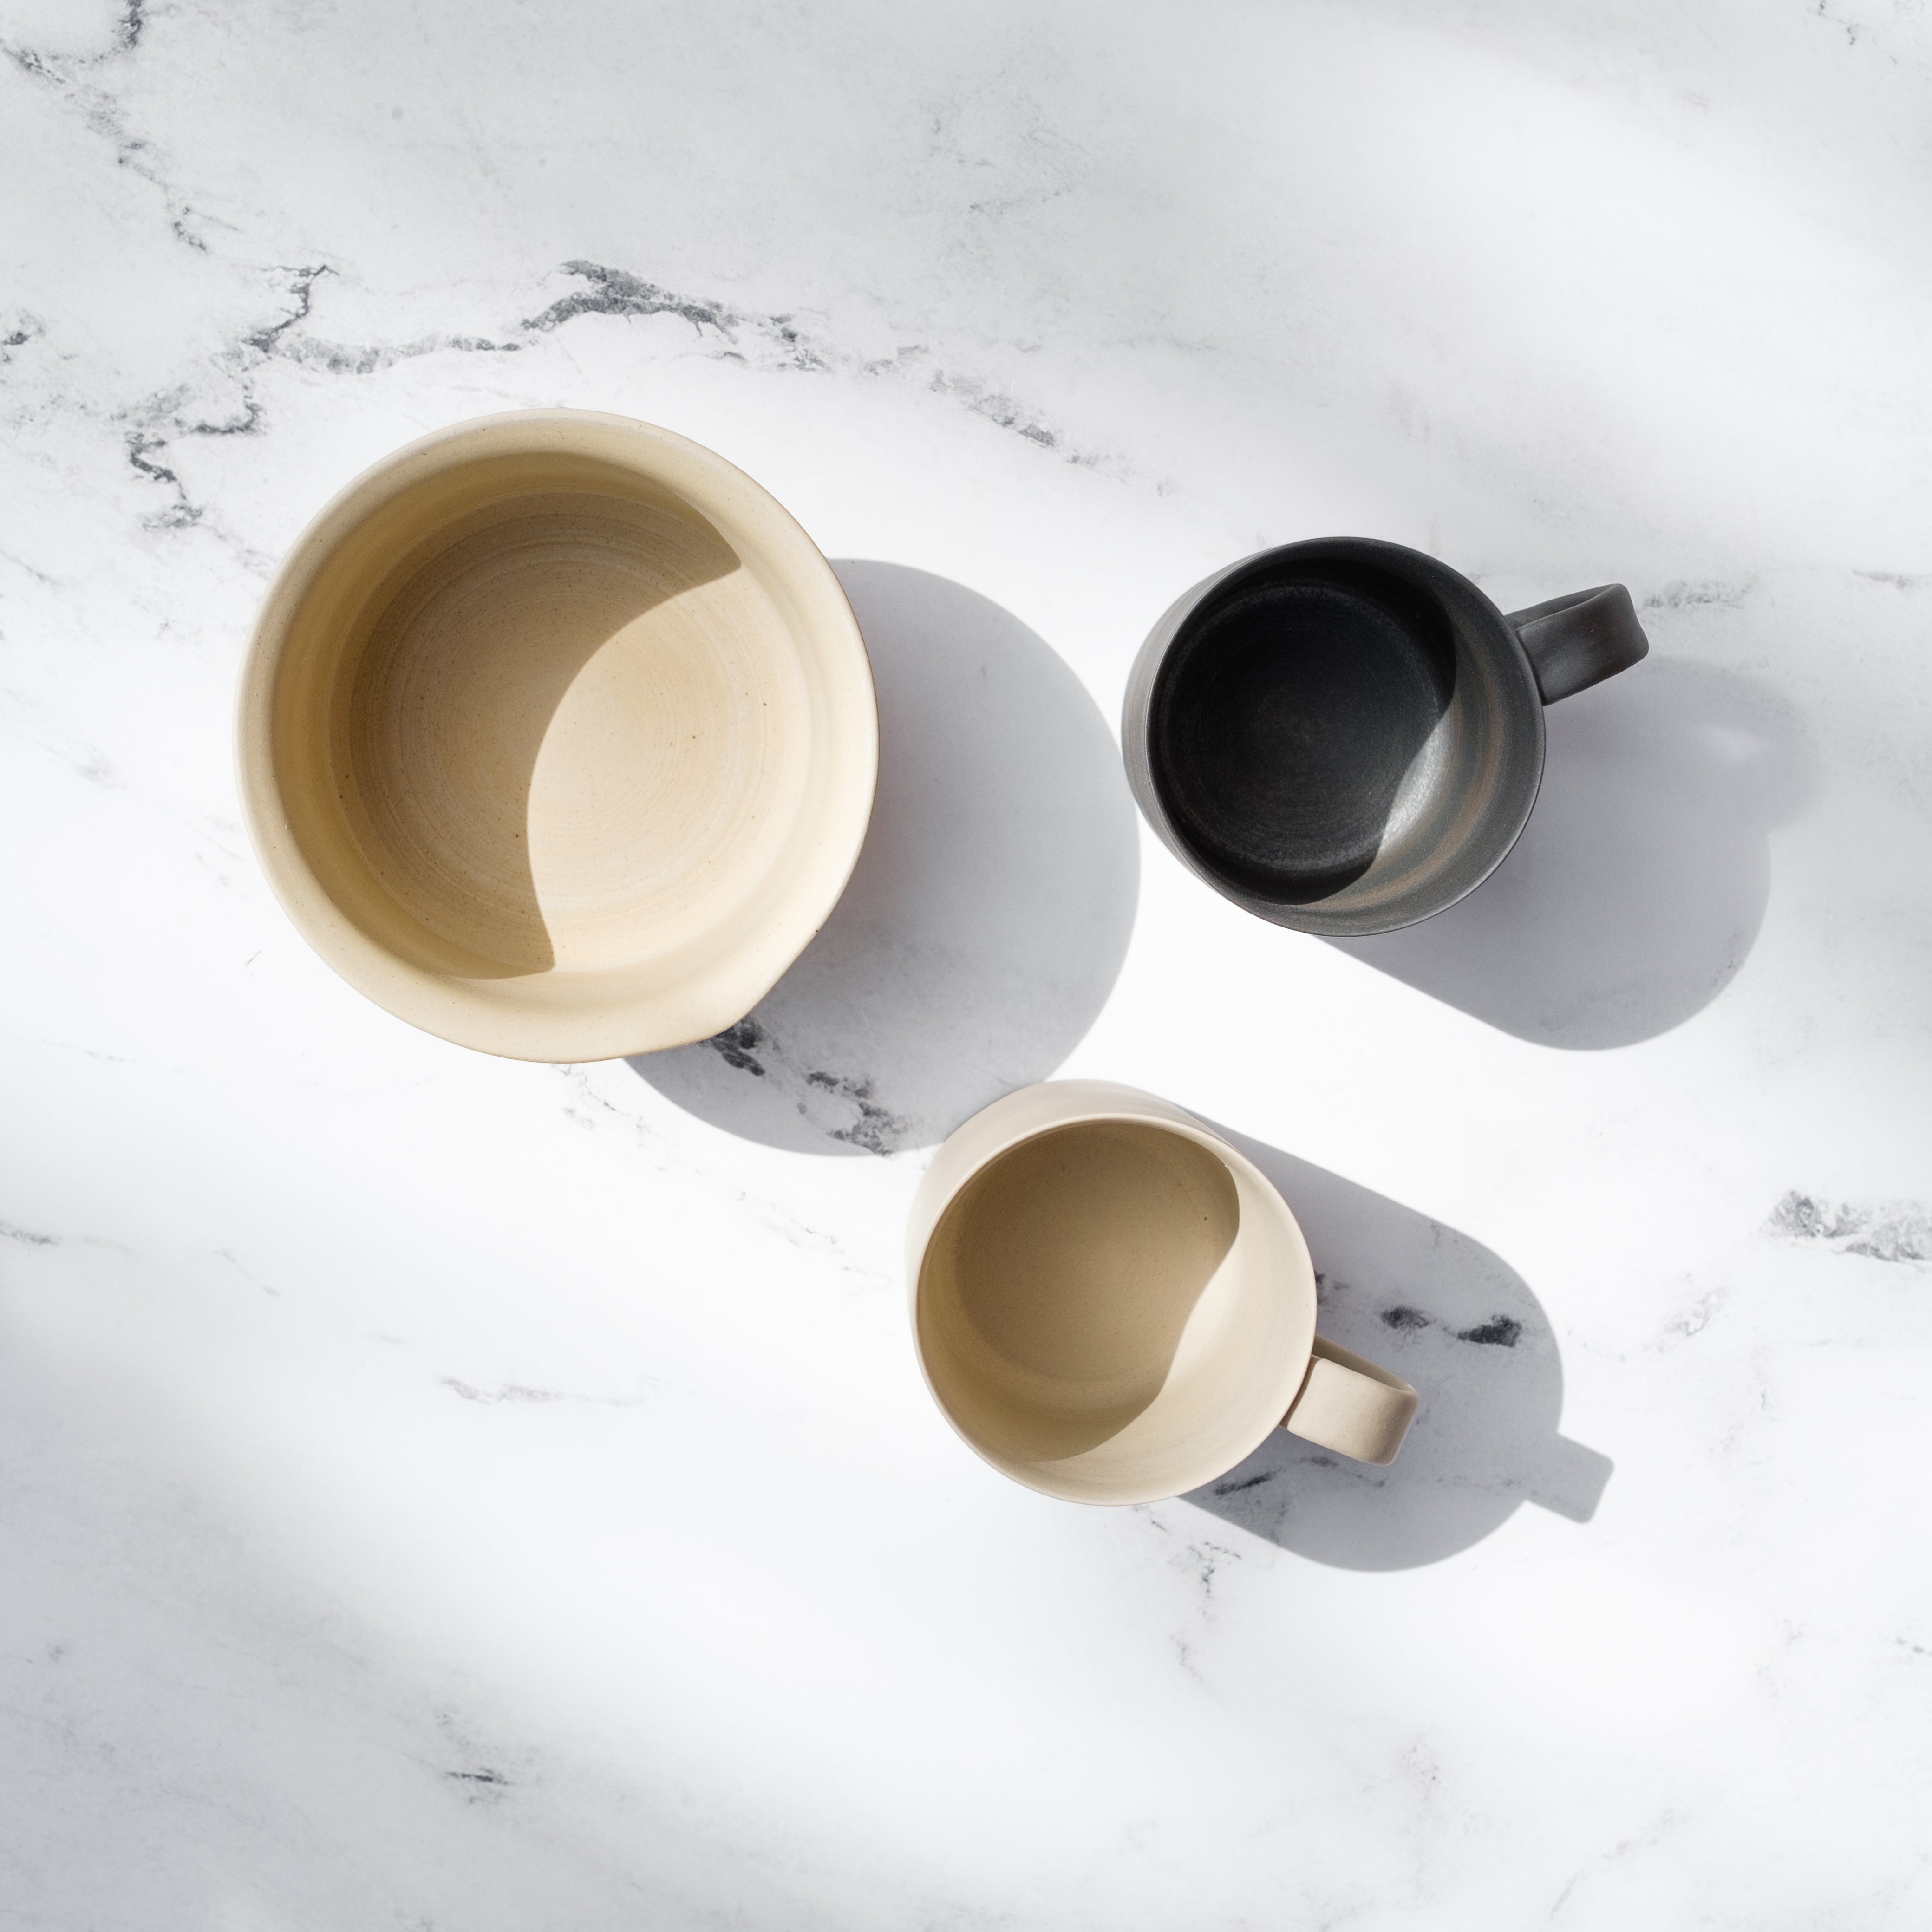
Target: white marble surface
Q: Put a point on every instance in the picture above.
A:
(440, 1493)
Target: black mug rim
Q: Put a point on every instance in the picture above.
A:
(1514, 709)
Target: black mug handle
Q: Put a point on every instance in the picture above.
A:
(1576, 641)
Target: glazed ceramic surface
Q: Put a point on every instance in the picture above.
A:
(1346, 736)
(440, 1490)
(1113, 1306)
(558, 737)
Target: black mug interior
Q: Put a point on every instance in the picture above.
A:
(1344, 735)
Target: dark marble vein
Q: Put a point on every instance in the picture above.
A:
(855, 1115)
(1894, 1232)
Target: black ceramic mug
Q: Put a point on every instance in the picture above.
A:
(1344, 736)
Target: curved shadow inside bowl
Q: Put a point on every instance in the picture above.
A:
(1638, 885)
(1441, 1311)
(519, 675)
(987, 918)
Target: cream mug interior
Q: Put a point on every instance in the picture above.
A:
(558, 737)
(1112, 1305)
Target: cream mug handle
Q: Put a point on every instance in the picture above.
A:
(1349, 1405)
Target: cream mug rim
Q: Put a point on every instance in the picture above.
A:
(1031, 1111)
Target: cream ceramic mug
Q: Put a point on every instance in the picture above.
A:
(1112, 1305)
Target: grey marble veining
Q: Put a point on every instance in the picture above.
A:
(436, 1492)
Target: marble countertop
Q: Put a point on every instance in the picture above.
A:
(441, 1492)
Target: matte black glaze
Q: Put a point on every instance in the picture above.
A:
(1576, 641)
(1346, 736)
(1286, 716)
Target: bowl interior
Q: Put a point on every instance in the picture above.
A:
(537, 724)
(1109, 1312)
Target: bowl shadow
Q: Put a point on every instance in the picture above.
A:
(1637, 889)
(988, 916)
(1442, 1311)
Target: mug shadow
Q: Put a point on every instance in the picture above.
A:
(988, 916)
(1639, 884)
(1457, 1322)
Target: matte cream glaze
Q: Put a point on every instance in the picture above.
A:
(1070, 1277)
(558, 737)
(1112, 1305)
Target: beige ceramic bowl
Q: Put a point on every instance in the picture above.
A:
(557, 737)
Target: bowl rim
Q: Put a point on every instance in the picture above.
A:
(485, 1014)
